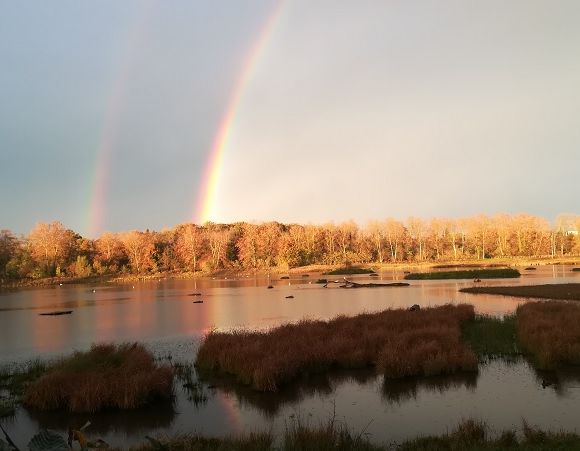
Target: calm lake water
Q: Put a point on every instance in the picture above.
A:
(162, 314)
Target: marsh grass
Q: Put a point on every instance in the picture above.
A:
(348, 271)
(332, 435)
(398, 342)
(473, 435)
(562, 291)
(500, 273)
(492, 337)
(249, 442)
(550, 332)
(15, 378)
(105, 377)
(13, 382)
(468, 435)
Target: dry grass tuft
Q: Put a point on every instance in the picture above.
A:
(399, 342)
(550, 331)
(106, 377)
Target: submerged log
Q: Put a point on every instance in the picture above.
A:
(62, 312)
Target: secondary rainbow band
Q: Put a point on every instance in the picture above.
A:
(107, 140)
(206, 201)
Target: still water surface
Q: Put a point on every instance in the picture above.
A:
(163, 315)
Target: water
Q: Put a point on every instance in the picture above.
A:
(162, 314)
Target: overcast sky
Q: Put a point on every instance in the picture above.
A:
(353, 110)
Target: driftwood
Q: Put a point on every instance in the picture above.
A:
(350, 284)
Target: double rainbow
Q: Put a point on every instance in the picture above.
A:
(204, 209)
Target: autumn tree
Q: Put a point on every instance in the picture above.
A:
(217, 239)
(50, 245)
(139, 247)
(109, 253)
(417, 228)
(248, 250)
(394, 231)
(377, 233)
(8, 248)
(189, 244)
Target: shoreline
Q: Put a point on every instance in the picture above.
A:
(298, 271)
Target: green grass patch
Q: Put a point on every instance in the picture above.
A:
(502, 273)
(491, 337)
(347, 271)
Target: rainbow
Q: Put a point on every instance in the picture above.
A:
(204, 209)
(114, 108)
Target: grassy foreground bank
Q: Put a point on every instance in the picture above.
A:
(493, 273)
(469, 435)
(562, 291)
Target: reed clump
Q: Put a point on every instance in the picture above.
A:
(399, 342)
(107, 376)
(550, 332)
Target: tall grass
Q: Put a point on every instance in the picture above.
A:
(501, 273)
(550, 332)
(399, 342)
(107, 376)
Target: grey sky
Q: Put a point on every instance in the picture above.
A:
(355, 110)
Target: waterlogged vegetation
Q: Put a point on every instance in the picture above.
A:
(550, 332)
(494, 273)
(563, 291)
(122, 376)
(398, 343)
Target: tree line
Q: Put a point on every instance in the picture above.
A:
(51, 249)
